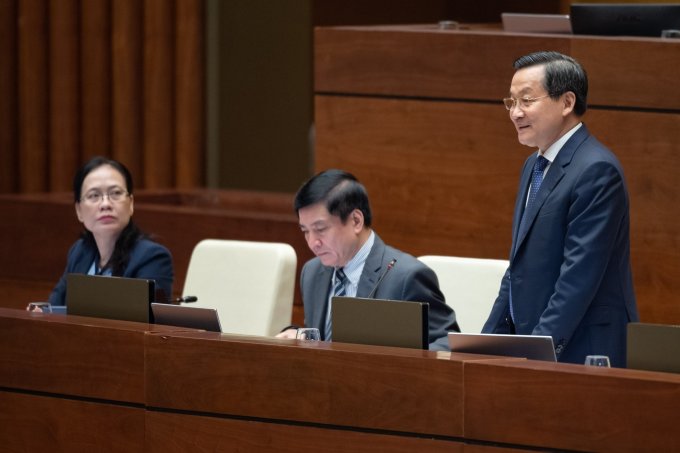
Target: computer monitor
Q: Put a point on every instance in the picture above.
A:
(126, 299)
(380, 322)
(653, 347)
(624, 19)
(535, 347)
(536, 23)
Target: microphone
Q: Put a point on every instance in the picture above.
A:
(185, 299)
(390, 265)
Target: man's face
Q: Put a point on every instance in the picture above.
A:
(332, 241)
(542, 122)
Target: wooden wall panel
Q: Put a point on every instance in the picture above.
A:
(177, 433)
(417, 157)
(33, 99)
(9, 169)
(127, 86)
(189, 89)
(95, 44)
(380, 61)
(333, 383)
(84, 78)
(590, 409)
(648, 146)
(64, 92)
(642, 73)
(98, 359)
(40, 423)
(422, 61)
(159, 101)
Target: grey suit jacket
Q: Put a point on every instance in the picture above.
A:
(569, 270)
(409, 280)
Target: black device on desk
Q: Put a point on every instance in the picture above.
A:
(186, 316)
(380, 322)
(624, 19)
(535, 347)
(126, 299)
(653, 347)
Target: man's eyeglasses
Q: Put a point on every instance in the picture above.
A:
(523, 103)
(113, 195)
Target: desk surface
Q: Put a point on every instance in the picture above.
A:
(181, 384)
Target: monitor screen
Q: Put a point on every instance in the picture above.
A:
(629, 19)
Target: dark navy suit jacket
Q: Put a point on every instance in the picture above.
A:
(408, 280)
(569, 269)
(148, 260)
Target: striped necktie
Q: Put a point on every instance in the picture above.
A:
(536, 179)
(339, 290)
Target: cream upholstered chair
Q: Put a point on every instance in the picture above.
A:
(250, 283)
(470, 286)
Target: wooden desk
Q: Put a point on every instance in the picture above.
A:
(416, 114)
(119, 386)
(69, 383)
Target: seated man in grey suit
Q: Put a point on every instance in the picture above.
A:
(335, 217)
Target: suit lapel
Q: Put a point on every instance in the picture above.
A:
(84, 262)
(554, 175)
(372, 267)
(323, 277)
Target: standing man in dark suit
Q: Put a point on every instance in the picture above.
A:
(569, 275)
(335, 217)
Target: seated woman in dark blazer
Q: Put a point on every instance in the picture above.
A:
(111, 243)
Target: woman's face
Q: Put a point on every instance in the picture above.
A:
(99, 213)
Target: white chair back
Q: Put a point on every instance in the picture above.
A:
(470, 286)
(251, 284)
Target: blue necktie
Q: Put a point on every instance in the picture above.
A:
(338, 291)
(536, 180)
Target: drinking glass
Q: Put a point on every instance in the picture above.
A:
(309, 334)
(597, 360)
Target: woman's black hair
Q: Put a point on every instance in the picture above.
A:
(130, 234)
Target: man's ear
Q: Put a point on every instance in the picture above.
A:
(357, 219)
(569, 103)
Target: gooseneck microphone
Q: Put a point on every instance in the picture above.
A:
(390, 265)
(185, 299)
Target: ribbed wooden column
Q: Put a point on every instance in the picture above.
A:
(120, 78)
(33, 99)
(9, 164)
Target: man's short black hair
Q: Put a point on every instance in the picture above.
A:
(341, 192)
(562, 74)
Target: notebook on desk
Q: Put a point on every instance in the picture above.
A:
(380, 322)
(126, 299)
(653, 347)
(535, 347)
(186, 316)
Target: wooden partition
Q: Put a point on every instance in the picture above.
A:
(416, 114)
(36, 232)
(72, 383)
(69, 383)
(123, 78)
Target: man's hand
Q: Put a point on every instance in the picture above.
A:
(288, 333)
